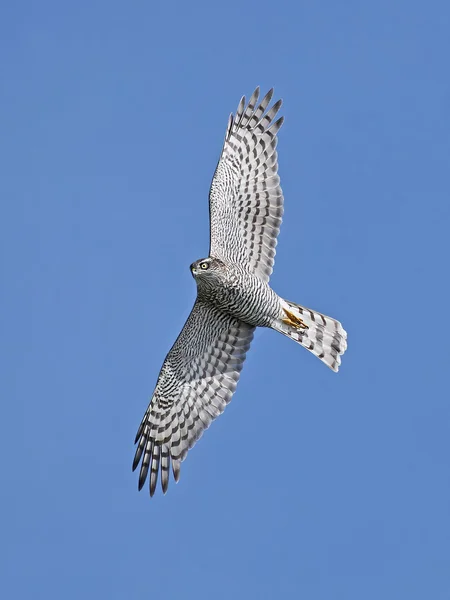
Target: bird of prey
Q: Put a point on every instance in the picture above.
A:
(201, 371)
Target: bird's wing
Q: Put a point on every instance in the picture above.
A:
(196, 382)
(245, 200)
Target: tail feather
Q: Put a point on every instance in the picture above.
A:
(323, 336)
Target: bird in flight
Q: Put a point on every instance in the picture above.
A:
(200, 373)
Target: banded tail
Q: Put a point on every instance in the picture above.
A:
(323, 336)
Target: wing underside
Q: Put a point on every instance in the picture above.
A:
(246, 200)
(196, 382)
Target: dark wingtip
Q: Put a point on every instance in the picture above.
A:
(142, 478)
(268, 97)
(176, 470)
(275, 127)
(139, 432)
(278, 104)
(136, 460)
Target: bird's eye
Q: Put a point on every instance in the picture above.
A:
(204, 266)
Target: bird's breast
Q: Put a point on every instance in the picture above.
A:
(248, 299)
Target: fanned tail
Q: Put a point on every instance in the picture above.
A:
(323, 336)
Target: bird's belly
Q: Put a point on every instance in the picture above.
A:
(254, 302)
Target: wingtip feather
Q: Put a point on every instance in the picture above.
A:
(176, 464)
(136, 460)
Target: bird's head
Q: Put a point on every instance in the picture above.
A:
(208, 270)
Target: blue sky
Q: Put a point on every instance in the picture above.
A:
(311, 485)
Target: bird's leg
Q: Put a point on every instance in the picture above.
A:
(293, 321)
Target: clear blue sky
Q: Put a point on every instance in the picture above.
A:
(311, 485)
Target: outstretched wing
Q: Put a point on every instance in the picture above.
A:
(196, 382)
(245, 200)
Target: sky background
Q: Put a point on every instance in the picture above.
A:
(311, 485)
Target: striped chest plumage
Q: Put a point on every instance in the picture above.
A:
(246, 297)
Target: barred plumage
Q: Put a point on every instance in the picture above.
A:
(201, 371)
(246, 201)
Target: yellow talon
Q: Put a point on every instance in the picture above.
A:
(293, 321)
